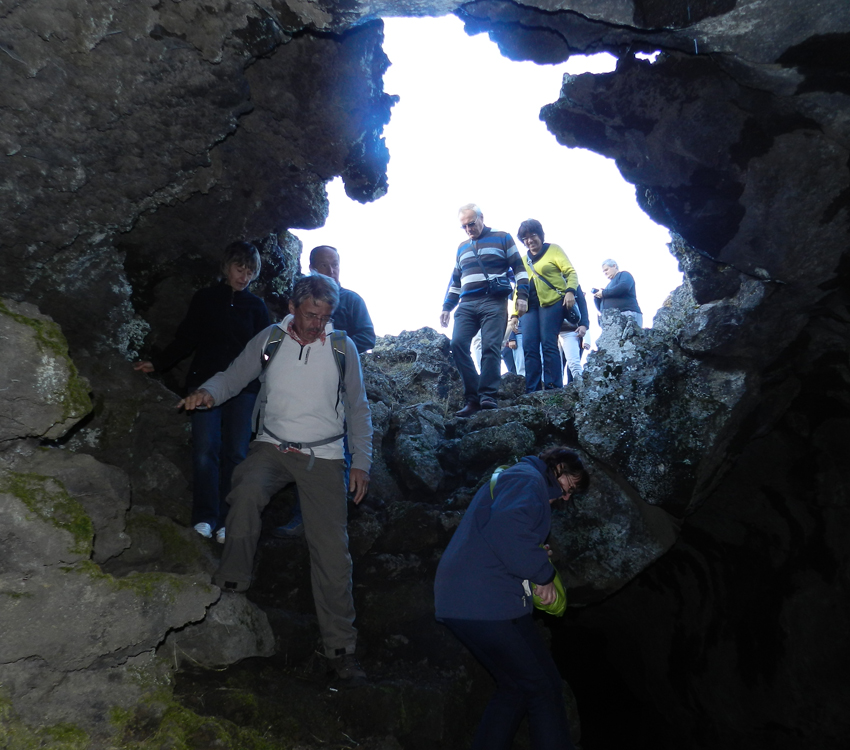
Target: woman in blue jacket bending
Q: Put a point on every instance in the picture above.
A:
(482, 594)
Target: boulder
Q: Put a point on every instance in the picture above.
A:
(662, 418)
(84, 700)
(43, 526)
(233, 629)
(43, 395)
(604, 538)
(102, 491)
(76, 639)
(416, 368)
(420, 430)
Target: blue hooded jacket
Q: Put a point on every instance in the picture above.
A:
(497, 546)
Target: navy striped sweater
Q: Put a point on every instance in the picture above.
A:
(497, 253)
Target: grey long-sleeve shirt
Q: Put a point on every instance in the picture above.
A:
(276, 388)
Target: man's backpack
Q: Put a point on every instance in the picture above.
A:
(337, 344)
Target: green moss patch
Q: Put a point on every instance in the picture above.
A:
(48, 499)
(49, 339)
(15, 735)
(161, 722)
(175, 549)
(146, 585)
(157, 723)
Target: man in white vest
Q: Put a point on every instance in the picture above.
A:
(311, 385)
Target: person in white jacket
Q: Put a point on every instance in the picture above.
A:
(304, 402)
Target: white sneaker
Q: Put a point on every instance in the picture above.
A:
(219, 535)
(204, 529)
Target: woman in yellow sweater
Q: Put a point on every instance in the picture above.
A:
(554, 282)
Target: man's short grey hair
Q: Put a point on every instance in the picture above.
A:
(319, 248)
(471, 207)
(317, 287)
(610, 263)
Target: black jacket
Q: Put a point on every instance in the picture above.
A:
(219, 323)
(570, 323)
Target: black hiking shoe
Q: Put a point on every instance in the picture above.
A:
(348, 670)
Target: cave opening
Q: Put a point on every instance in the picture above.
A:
(467, 129)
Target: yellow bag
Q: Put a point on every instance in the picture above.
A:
(559, 606)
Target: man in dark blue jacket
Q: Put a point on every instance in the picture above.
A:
(350, 314)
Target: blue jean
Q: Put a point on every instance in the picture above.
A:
(220, 439)
(490, 315)
(527, 682)
(519, 356)
(540, 329)
(508, 359)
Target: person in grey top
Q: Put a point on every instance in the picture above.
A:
(352, 317)
(306, 397)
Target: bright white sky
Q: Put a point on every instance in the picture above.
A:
(467, 130)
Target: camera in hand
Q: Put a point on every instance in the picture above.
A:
(594, 290)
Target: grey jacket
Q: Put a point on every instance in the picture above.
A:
(248, 365)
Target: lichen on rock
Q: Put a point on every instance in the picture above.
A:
(43, 394)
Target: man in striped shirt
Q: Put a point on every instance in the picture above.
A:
(479, 289)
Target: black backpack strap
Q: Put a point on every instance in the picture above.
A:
(338, 345)
(544, 280)
(272, 345)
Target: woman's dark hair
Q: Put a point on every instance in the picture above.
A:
(529, 227)
(562, 460)
(243, 254)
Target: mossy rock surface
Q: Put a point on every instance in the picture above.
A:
(45, 394)
(47, 499)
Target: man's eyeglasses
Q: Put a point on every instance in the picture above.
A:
(322, 319)
(469, 225)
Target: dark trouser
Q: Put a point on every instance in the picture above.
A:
(540, 329)
(220, 439)
(527, 682)
(490, 314)
(323, 505)
(346, 456)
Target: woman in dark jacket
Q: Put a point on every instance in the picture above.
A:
(619, 294)
(220, 321)
(483, 595)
